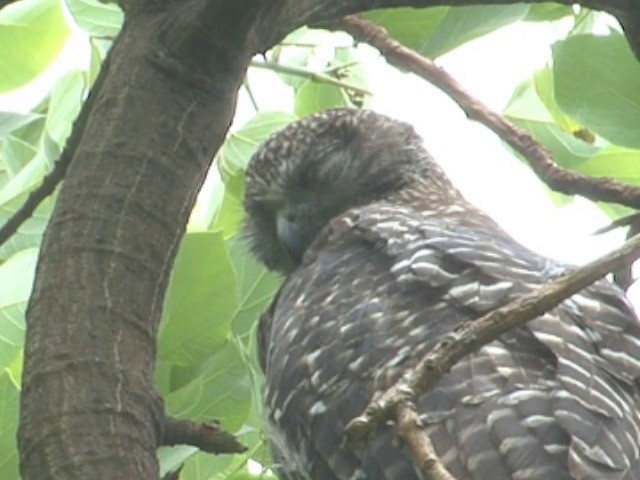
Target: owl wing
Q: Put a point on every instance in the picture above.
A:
(555, 399)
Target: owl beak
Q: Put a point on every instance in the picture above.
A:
(294, 232)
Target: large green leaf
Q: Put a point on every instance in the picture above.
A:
(230, 212)
(240, 145)
(98, 19)
(544, 87)
(9, 398)
(27, 178)
(232, 160)
(622, 164)
(64, 106)
(348, 70)
(201, 466)
(32, 35)
(257, 286)
(208, 467)
(314, 97)
(16, 278)
(221, 390)
(10, 121)
(547, 12)
(200, 302)
(435, 31)
(296, 51)
(527, 110)
(14, 154)
(12, 196)
(597, 82)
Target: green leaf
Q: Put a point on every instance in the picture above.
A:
(568, 151)
(99, 50)
(98, 19)
(64, 106)
(207, 467)
(543, 80)
(348, 70)
(32, 35)
(225, 467)
(435, 31)
(200, 302)
(12, 196)
(29, 234)
(299, 56)
(240, 145)
(15, 155)
(413, 27)
(597, 82)
(31, 133)
(221, 390)
(257, 286)
(547, 12)
(9, 398)
(527, 110)
(27, 178)
(172, 458)
(10, 121)
(230, 213)
(16, 278)
(314, 97)
(619, 163)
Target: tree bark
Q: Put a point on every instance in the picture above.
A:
(89, 408)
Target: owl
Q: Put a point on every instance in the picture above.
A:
(382, 256)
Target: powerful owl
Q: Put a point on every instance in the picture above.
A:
(382, 256)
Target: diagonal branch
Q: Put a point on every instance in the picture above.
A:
(470, 336)
(540, 160)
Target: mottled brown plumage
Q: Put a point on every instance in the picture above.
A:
(383, 255)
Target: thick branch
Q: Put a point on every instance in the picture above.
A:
(472, 335)
(208, 436)
(540, 160)
(294, 13)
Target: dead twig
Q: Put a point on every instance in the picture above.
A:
(207, 436)
(423, 456)
(541, 162)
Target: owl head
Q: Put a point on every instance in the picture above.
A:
(319, 167)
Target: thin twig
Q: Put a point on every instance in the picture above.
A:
(252, 97)
(423, 456)
(632, 220)
(556, 177)
(207, 436)
(311, 75)
(340, 66)
(470, 336)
